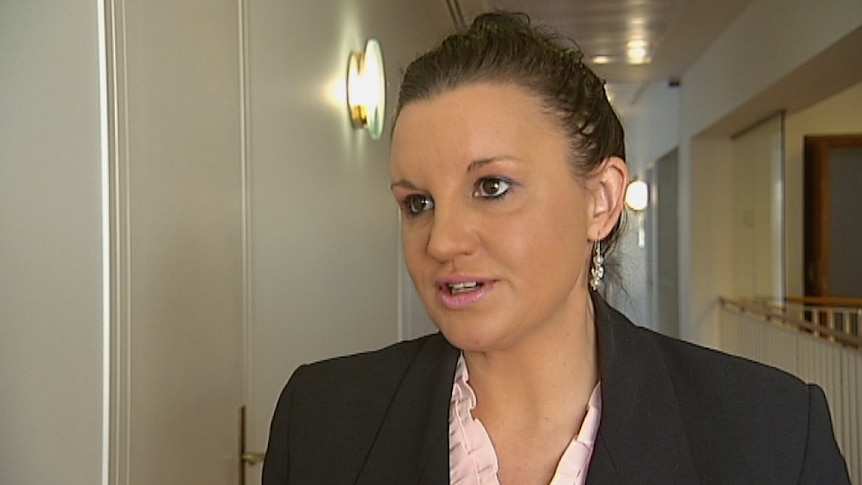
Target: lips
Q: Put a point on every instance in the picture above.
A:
(461, 292)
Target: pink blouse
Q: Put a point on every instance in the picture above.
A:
(472, 458)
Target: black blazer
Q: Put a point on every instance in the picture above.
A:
(672, 413)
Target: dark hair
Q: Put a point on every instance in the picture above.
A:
(503, 47)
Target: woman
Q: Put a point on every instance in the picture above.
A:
(507, 164)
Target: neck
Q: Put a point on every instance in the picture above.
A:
(546, 377)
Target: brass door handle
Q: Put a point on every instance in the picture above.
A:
(250, 458)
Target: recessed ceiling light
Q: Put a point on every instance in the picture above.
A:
(637, 51)
(637, 54)
(601, 59)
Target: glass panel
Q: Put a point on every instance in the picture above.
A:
(758, 210)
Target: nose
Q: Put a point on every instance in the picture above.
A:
(453, 234)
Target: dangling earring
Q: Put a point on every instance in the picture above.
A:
(597, 269)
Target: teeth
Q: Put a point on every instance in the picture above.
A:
(456, 288)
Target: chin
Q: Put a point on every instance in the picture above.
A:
(468, 329)
(469, 337)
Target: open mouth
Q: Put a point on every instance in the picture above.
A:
(465, 287)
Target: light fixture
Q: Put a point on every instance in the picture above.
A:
(637, 195)
(366, 89)
(637, 199)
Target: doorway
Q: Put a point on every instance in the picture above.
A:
(833, 235)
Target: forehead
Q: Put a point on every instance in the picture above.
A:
(472, 122)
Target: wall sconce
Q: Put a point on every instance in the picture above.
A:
(637, 199)
(366, 89)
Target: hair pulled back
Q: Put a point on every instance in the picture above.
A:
(504, 48)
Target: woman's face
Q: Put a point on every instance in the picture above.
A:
(495, 227)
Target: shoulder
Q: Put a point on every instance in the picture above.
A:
(706, 372)
(695, 371)
(330, 412)
(740, 421)
(729, 392)
(764, 421)
(366, 371)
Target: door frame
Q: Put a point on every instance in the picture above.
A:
(817, 200)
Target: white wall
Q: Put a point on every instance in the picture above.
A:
(651, 132)
(765, 44)
(51, 379)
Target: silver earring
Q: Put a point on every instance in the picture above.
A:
(597, 269)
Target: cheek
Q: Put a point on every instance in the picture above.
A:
(413, 243)
(547, 238)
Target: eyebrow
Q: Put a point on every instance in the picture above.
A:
(487, 161)
(474, 166)
(403, 183)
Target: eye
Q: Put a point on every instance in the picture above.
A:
(491, 188)
(416, 204)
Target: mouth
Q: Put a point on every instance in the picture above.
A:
(463, 287)
(458, 293)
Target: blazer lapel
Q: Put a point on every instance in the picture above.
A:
(602, 468)
(415, 428)
(641, 436)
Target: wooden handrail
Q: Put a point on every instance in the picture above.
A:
(825, 300)
(772, 315)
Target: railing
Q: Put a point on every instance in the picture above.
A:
(819, 344)
(836, 319)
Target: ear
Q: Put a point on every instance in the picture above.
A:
(607, 187)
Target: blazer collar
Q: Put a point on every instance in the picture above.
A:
(416, 426)
(641, 436)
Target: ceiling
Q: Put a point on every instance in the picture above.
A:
(671, 33)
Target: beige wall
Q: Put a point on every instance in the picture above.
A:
(322, 224)
(758, 209)
(311, 201)
(777, 55)
(51, 333)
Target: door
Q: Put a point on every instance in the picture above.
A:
(175, 224)
(833, 234)
(666, 269)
